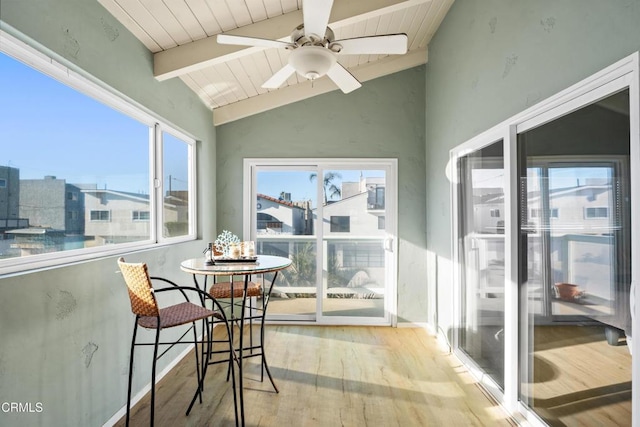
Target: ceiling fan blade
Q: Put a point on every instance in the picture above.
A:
(374, 45)
(316, 16)
(249, 41)
(279, 77)
(343, 78)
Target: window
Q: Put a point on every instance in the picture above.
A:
(362, 255)
(175, 209)
(266, 222)
(3, 183)
(596, 212)
(537, 213)
(140, 216)
(127, 174)
(340, 224)
(375, 197)
(495, 213)
(100, 215)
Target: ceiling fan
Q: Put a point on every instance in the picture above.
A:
(314, 50)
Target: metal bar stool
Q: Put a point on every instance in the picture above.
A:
(149, 316)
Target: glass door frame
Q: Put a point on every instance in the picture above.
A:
(390, 165)
(486, 139)
(624, 74)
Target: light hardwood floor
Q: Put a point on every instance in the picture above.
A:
(579, 379)
(334, 376)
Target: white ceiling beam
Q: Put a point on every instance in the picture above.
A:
(206, 52)
(287, 95)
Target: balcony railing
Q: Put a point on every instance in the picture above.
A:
(273, 225)
(10, 224)
(352, 267)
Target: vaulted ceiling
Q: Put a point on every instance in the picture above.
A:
(228, 79)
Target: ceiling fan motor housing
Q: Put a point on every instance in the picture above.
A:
(299, 38)
(312, 62)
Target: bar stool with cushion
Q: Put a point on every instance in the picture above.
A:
(231, 295)
(149, 316)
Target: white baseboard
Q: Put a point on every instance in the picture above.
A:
(422, 325)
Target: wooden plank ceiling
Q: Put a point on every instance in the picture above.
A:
(228, 79)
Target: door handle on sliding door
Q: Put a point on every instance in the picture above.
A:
(388, 244)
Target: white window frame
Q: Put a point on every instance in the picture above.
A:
(15, 45)
(619, 76)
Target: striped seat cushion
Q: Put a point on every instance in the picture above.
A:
(224, 289)
(178, 314)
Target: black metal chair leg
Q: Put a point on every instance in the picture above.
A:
(233, 373)
(265, 301)
(133, 345)
(241, 349)
(264, 314)
(264, 359)
(195, 350)
(153, 373)
(205, 361)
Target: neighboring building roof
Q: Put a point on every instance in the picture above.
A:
(34, 231)
(279, 201)
(489, 198)
(141, 197)
(344, 199)
(556, 192)
(568, 190)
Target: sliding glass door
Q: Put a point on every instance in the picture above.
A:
(575, 223)
(336, 221)
(546, 226)
(481, 253)
(283, 225)
(354, 234)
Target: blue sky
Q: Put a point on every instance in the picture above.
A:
(47, 128)
(300, 186)
(559, 177)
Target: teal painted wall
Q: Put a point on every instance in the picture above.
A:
(65, 331)
(491, 59)
(383, 119)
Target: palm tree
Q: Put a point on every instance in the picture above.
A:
(329, 189)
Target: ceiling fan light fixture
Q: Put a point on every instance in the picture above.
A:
(312, 62)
